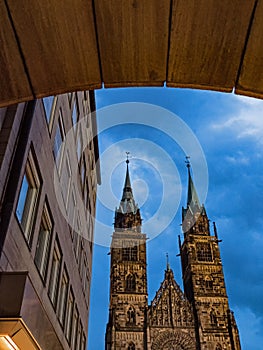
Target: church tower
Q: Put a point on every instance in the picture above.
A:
(198, 318)
(203, 278)
(128, 280)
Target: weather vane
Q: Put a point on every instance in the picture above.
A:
(127, 153)
(187, 161)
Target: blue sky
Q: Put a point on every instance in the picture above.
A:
(223, 134)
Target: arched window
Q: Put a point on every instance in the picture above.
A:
(131, 346)
(213, 318)
(208, 283)
(130, 283)
(131, 316)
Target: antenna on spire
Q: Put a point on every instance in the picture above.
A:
(127, 155)
(167, 262)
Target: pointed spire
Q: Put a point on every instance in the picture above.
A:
(192, 197)
(168, 268)
(127, 204)
(127, 184)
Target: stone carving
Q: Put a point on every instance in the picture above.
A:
(169, 340)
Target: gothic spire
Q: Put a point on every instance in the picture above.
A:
(127, 204)
(192, 197)
(128, 213)
(194, 209)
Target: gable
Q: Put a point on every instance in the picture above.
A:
(169, 307)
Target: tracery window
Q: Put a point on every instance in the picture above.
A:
(129, 253)
(208, 284)
(130, 283)
(204, 252)
(131, 319)
(213, 318)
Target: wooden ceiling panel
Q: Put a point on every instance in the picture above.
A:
(58, 42)
(206, 42)
(251, 75)
(133, 41)
(14, 86)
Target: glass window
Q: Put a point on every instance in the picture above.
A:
(130, 283)
(26, 206)
(54, 275)
(69, 315)
(43, 242)
(66, 175)
(58, 141)
(130, 253)
(48, 104)
(63, 293)
(75, 114)
(72, 211)
(131, 318)
(79, 145)
(74, 328)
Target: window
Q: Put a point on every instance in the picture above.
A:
(48, 104)
(58, 141)
(63, 291)
(87, 286)
(69, 314)
(130, 316)
(204, 252)
(54, 275)
(43, 242)
(131, 346)
(83, 173)
(208, 283)
(129, 253)
(74, 328)
(66, 179)
(26, 206)
(76, 238)
(72, 211)
(75, 114)
(213, 318)
(79, 145)
(130, 283)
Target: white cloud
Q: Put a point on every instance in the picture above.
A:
(246, 120)
(238, 158)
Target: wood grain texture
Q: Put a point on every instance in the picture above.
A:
(206, 43)
(250, 81)
(14, 86)
(133, 41)
(59, 44)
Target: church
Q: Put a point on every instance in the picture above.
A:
(198, 318)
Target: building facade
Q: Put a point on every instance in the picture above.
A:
(199, 318)
(49, 174)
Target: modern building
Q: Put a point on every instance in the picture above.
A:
(49, 172)
(199, 318)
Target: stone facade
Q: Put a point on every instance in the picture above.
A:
(199, 318)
